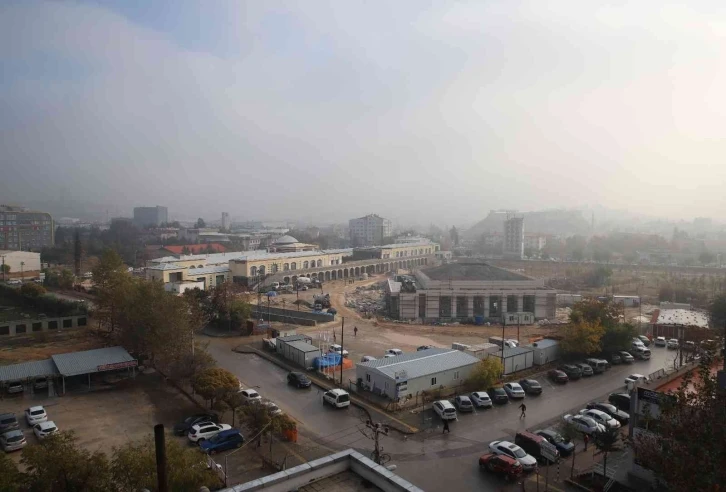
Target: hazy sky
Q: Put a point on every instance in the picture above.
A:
(416, 110)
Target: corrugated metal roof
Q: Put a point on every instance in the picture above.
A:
(207, 270)
(544, 343)
(511, 352)
(304, 346)
(28, 370)
(88, 361)
(422, 363)
(293, 338)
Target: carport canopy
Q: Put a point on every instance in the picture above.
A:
(28, 370)
(92, 361)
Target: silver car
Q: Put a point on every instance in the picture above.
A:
(12, 440)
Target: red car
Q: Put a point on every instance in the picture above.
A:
(558, 376)
(501, 465)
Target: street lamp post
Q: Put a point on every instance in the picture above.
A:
(22, 274)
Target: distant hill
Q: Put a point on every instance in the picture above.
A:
(559, 222)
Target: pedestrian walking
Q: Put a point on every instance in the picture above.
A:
(446, 427)
(586, 439)
(334, 337)
(524, 410)
(355, 331)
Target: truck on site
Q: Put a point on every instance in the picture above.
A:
(322, 299)
(303, 281)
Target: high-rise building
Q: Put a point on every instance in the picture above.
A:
(370, 229)
(514, 237)
(23, 229)
(150, 216)
(226, 223)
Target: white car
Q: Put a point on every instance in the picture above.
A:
(444, 409)
(367, 358)
(250, 396)
(272, 408)
(35, 415)
(636, 378)
(673, 343)
(481, 399)
(388, 356)
(660, 342)
(601, 418)
(44, 429)
(584, 424)
(394, 352)
(507, 448)
(337, 397)
(337, 349)
(514, 390)
(202, 432)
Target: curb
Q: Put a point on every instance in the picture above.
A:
(246, 349)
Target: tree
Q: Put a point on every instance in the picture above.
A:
(618, 337)
(689, 430)
(10, 478)
(569, 432)
(214, 383)
(200, 223)
(706, 258)
(32, 289)
(113, 285)
(454, 234)
(58, 464)
(594, 311)
(133, 467)
(5, 269)
(258, 420)
(718, 312)
(234, 401)
(606, 442)
(582, 338)
(485, 374)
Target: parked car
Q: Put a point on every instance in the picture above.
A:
(673, 344)
(531, 386)
(641, 352)
(45, 429)
(558, 376)
(337, 397)
(689, 346)
(585, 369)
(388, 356)
(501, 464)
(481, 399)
(250, 396)
(228, 439)
(424, 347)
(553, 437)
(616, 358)
(514, 391)
(463, 403)
(35, 415)
(612, 410)
(600, 417)
(598, 366)
(444, 410)
(8, 421)
(645, 340)
(298, 380)
(498, 395)
(537, 446)
(584, 424)
(14, 387)
(40, 383)
(394, 352)
(636, 378)
(620, 400)
(337, 349)
(626, 357)
(367, 358)
(573, 372)
(12, 440)
(272, 408)
(513, 451)
(183, 427)
(201, 432)
(660, 342)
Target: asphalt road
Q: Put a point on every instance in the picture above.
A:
(430, 459)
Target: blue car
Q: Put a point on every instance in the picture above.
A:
(228, 439)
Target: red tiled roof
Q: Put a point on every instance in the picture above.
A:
(676, 383)
(195, 248)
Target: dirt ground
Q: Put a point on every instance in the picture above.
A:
(41, 346)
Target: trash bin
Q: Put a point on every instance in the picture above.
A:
(479, 320)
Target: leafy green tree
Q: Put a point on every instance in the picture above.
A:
(257, 420)
(685, 447)
(618, 337)
(718, 312)
(57, 463)
(233, 401)
(133, 467)
(215, 383)
(582, 338)
(485, 374)
(10, 477)
(569, 433)
(113, 285)
(706, 258)
(606, 442)
(31, 289)
(4, 268)
(201, 224)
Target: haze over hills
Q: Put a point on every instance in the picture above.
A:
(558, 222)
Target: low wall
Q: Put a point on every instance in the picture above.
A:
(30, 326)
(305, 318)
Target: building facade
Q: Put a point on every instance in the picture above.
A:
(155, 216)
(514, 237)
(226, 223)
(535, 242)
(20, 261)
(468, 290)
(23, 229)
(369, 230)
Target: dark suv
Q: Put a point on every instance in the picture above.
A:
(620, 400)
(299, 380)
(573, 372)
(8, 421)
(498, 395)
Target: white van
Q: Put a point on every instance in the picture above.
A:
(445, 410)
(337, 397)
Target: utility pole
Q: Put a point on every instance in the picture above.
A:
(342, 347)
(3, 257)
(378, 429)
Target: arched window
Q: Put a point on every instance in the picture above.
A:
(320, 263)
(253, 271)
(200, 266)
(192, 267)
(274, 268)
(293, 266)
(286, 266)
(306, 265)
(262, 270)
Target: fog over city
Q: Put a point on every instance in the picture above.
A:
(419, 111)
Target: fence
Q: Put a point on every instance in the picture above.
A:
(304, 318)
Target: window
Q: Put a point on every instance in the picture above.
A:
(81, 321)
(37, 326)
(456, 374)
(67, 323)
(4, 330)
(53, 325)
(19, 329)
(433, 381)
(368, 378)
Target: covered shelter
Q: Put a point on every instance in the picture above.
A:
(28, 372)
(95, 361)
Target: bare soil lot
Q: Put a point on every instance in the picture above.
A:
(39, 346)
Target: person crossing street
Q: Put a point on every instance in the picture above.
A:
(524, 411)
